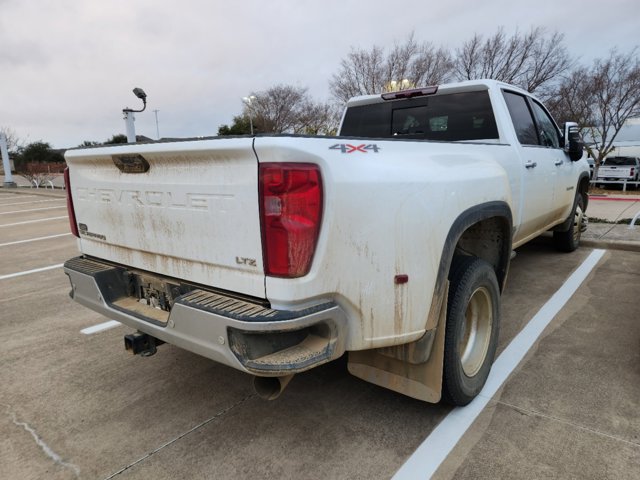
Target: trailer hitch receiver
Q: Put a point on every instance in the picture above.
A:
(141, 344)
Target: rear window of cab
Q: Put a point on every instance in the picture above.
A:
(620, 161)
(445, 117)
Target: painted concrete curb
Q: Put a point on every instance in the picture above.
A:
(612, 245)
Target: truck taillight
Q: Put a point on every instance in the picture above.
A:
(72, 214)
(290, 215)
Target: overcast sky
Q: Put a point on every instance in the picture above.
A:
(67, 67)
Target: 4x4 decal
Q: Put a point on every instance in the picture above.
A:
(347, 148)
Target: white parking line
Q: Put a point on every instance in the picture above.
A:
(434, 450)
(27, 272)
(33, 239)
(34, 201)
(100, 327)
(33, 210)
(33, 221)
(16, 195)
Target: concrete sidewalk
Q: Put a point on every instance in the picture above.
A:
(604, 232)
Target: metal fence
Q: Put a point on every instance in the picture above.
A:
(50, 167)
(623, 182)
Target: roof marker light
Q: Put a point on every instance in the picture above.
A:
(416, 92)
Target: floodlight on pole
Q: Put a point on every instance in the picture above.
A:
(248, 101)
(129, 118)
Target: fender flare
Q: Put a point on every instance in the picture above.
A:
(417, 372)
(496, 209)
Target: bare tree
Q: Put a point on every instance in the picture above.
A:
(13, 141)
(289, 109)
(318, 119)
(375, 70)
(360, 73)
(572, 99)
(277, 109)
(531, 61)
(601, 98)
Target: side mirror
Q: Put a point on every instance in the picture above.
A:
(573, 144)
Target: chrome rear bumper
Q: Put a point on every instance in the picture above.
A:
(243, 334)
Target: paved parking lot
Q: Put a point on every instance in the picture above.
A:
(75, 405)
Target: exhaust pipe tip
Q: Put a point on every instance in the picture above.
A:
(270, 388)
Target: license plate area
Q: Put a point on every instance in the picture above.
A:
(150, 298)
(156, 293)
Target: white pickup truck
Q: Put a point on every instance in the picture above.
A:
(620, 170)
(274, 254)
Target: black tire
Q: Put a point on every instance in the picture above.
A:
(473, 306)
(570, 240)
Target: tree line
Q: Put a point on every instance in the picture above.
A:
(39, 152)
(600, 96)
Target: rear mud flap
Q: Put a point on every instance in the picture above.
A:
(420, 381)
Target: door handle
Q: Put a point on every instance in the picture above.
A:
(531, 164)
(558, 163)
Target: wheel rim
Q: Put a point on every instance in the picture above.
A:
(476, 336)
(578, 220)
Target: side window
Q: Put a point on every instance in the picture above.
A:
(549, 134)
(521, 118)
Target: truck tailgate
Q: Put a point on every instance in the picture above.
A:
(614, 172)
(186, 209)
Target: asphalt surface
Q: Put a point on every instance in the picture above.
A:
(77, 406)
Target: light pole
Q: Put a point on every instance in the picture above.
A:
(129, 117)
(8, 179)
(248, 102)
(157, 127)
